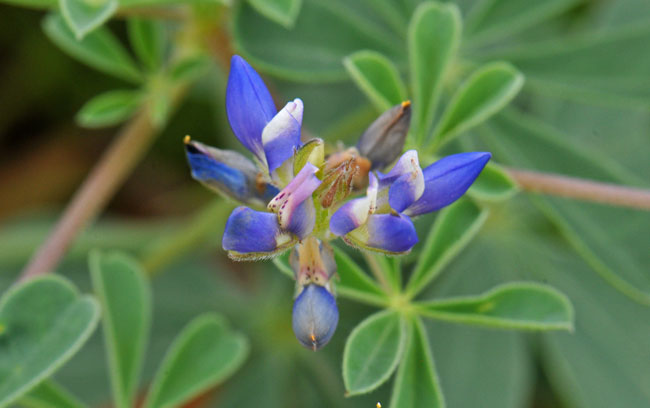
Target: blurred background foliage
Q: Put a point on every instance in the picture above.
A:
(584, 111)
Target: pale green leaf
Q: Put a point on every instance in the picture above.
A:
(203, 355)
(455, 226)
(493, 184)
(147, 38)
(372, 351)
(110, 108)
(283, 12)
(416, 384)
(485, 92)
(99, 49)
(521, 305)
(190, 68)
(377, 77)
(433, 38)
(123, 292)
(49, 394)
(43, 323)
(83, 16)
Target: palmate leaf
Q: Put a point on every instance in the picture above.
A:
(48, 394)
(147, 38)
(43, 322)
(518, 305)
(493, 184)
(372, 351)
(124, 294)
(83, 16)
(110, 108)
(283, 12)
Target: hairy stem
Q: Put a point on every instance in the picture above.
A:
(581, 189)
(97, 189)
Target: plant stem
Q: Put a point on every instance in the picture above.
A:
(97, 189)
(581, 189)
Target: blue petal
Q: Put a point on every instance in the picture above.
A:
(392, 233)
(315, 316)
(447, 180)
(248, 104)
(354, 213)
(229, 173)
(406, 190)
(250, 231)
(281, 137)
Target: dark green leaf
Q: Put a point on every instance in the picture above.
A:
(110, 108)
(493, 184)
(99, 49)
(377, 77)
(124, 294)
(521, 305)
(283, 12)
(372, 351)
(43, 323)
(190, 68)
(486, 92)
(434, 34)
(455, 226)
(49, 395)
(416, 384)
(83, 16)
(354, 282)
(147, 38)
(203, 355)
(306, 53)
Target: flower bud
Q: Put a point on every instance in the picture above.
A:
(315, 316)
(384, 139)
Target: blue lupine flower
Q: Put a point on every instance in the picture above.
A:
(298, 196)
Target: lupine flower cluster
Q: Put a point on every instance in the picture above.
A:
(296, 197)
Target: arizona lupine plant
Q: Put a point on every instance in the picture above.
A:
(297, 198)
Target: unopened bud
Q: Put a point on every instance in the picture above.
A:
(384, 139)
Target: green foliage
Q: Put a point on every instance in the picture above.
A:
(454, 228)
(147, 37)
(493, 184)
(433, 38)
(283, 12)
(511, 306)
(487, 91)
(83, 16)
(125, 297)
(416, 384)
(110, 108)
(372, 351)
(204, 354)
(49, 395)
(377, 77)
(43, 323)
(99, 49)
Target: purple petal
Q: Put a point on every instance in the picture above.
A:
(248, 104)
(292, 215)
(407, 189)
(315, 316)
(392, 233)
(281, 136)
(250, 231)
(407, 163)
(447, 180)
(354, 213)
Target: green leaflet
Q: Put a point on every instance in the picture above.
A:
(110, 108)
(204, 354)
(372, 351)
(147, 38)
(493, 184)
(83, 16)
(416, 384)
(433, 38)
(43, 323)
(48, 394)
(455, 226)
(488, 90)
(99, 49)
(377, 77)
(124, 294)
(519, 305)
